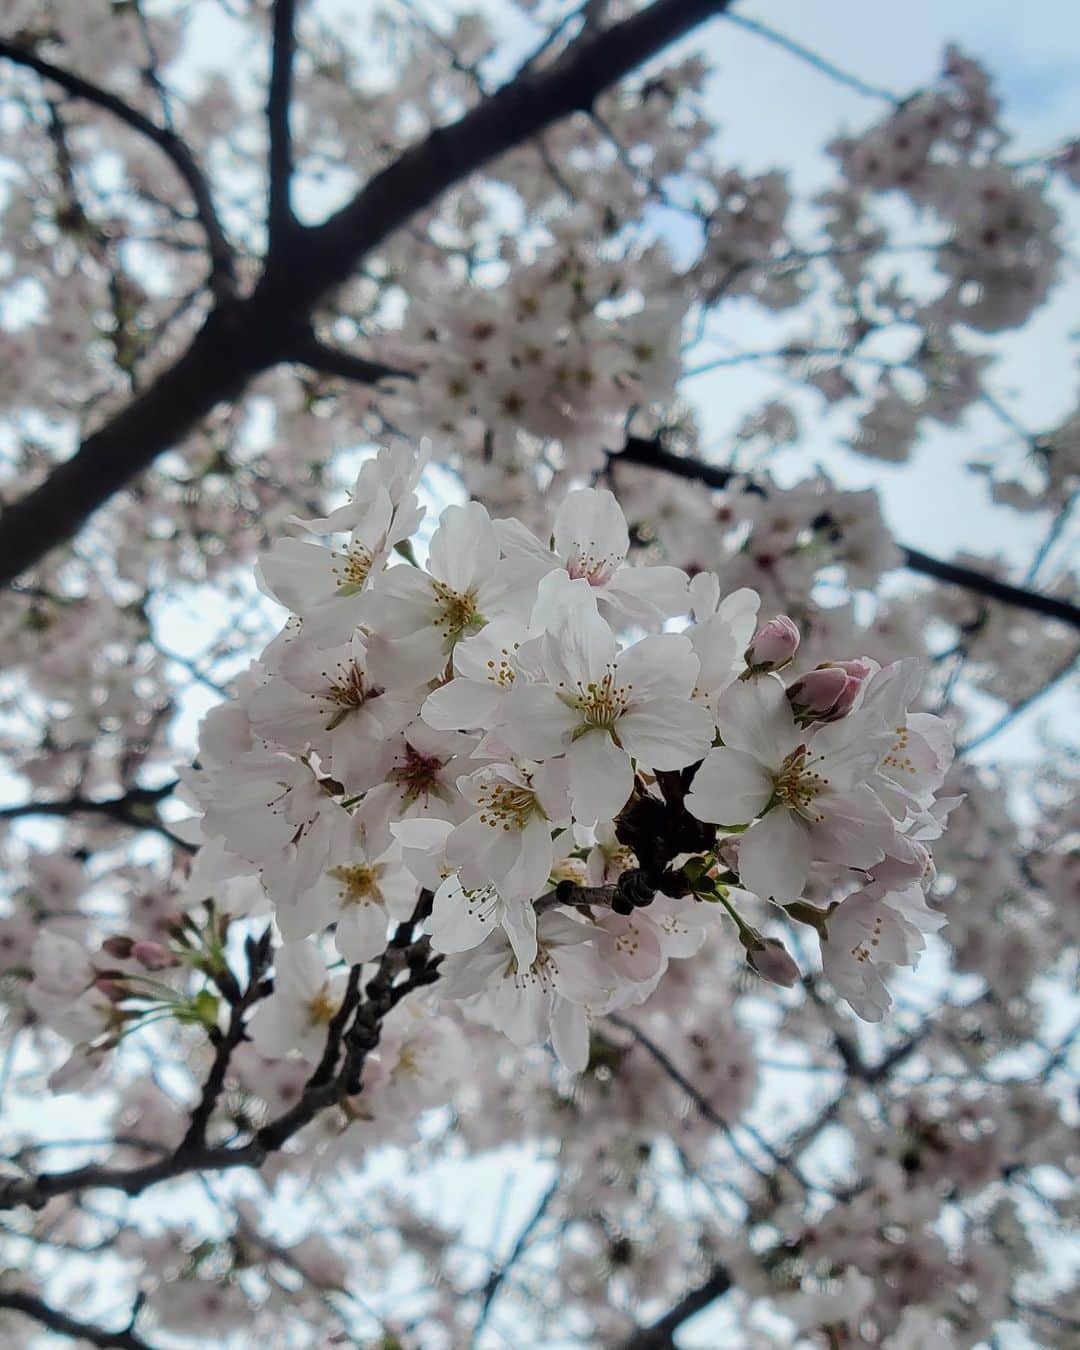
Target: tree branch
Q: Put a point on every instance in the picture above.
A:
(247, 336)
(651, 454)
(323, 1089)
(661, 1334)
(222, 265)
(1036, 602)
(259, 952)
(136, 808)
(279, 215)
(1018, 709)
(498, 1276)
(309, 351)
(63, 1325)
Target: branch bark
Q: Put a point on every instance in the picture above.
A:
(244, 337)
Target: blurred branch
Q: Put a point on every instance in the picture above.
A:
(241, 338)
(815, 59)
(279, 217)
(309, 351)
(63, 1325)
(651, 454)
(136, 808)
(222, 267)
(660, 1335)
(1008, 718)
(498, 1276)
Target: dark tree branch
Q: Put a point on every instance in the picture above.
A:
(309, 351)
(498, 1276)
(64, 1325)
(279, 215)
(661, 1334)
(222, 266)
(136, 809)
(259, 952)
(325, 1087)
(1036, 602)
(651, 454)
(245, 337)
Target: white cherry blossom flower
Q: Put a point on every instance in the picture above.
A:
(327, 701)
(419, 616)
(591, 541)
(601, 707)
(541, 1001)
(868, 933)
(485, 668)
(305, 998)
(807, 798)
(506, 841)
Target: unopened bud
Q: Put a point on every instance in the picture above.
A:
(153, 956)
(772, 962)
(830, 691)
(118, 946)
(773, 645)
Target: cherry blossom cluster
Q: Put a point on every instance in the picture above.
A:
(492, 726)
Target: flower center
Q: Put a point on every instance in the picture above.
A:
(507, 805)
(596, 568)
(359, 884)
(602, 703)
(347, 690)
(354, 569)
(796, 785)
(456, 612)
(501, 672)
(481, 902)
(542, 974)
(418, 776)
(898, 758)
(322, 1007)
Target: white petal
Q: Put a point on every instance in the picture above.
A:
(538, 722)
(361, 932)
(460, 919)
(648, 594)
(774, 856)
(601, 778)
(663, 666)
(463, 550)
(755, 716)
(460, 705)
(590, 523)
(730, 788)
(667, 733)
(570, 1035)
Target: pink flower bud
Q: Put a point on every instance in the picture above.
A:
(153, 956)
(117, 946)
(773, 645)
(772, 963)
(830, 691)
